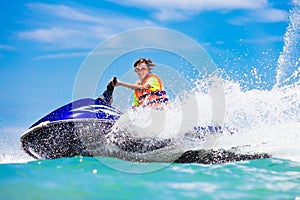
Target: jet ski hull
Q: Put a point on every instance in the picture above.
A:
(92, 137)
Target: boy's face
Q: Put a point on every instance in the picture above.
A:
(142, 70)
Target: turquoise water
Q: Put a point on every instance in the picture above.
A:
(88, 178)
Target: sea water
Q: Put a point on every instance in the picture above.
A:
(267, 121)
(87, 178)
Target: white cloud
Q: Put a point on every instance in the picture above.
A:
(68, 37)
(182, 9)
(64, 12)
(271, 15)
(194, 5)
(6, 47)
(266, 15)
(48, 35)
(69, 27)
(62, 55)
(166, 14)
(164, 10)
(265, 39)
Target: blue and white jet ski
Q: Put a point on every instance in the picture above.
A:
(83, 127)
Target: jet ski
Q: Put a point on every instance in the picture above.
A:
(84, 128)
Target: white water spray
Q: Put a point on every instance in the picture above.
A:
(269, 121)
(288, 71)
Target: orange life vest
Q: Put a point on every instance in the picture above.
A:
(152, 97)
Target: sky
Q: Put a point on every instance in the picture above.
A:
(44, 43)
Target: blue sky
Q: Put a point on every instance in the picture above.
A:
(43, 43)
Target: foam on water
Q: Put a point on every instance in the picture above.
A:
(267, 121)
(10, 148)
